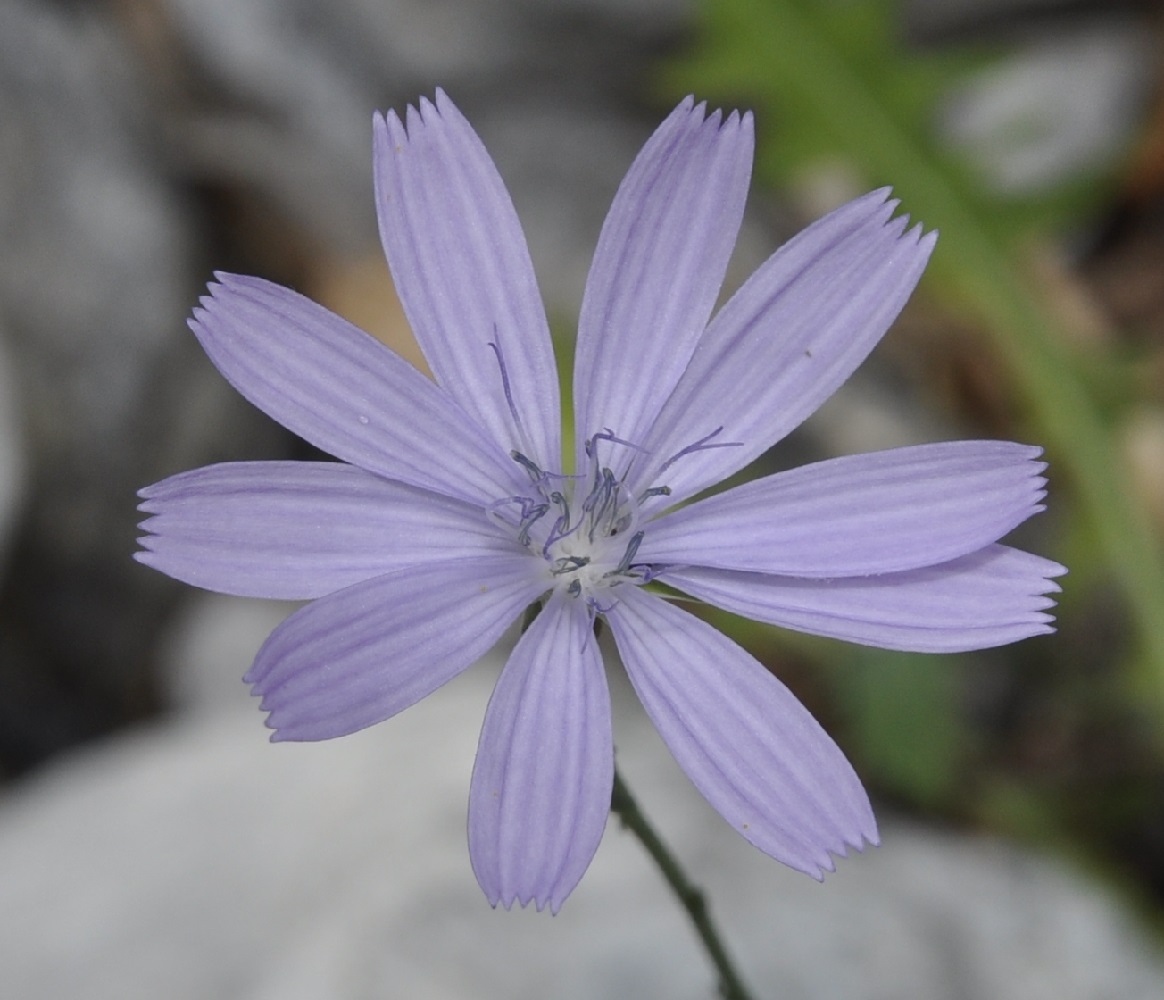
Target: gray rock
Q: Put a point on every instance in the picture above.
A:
(97, 277)
(193, 859)
(1057, 108)
(546, 85)
(13, 450)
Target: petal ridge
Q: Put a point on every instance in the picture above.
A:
(541, 786)
(345, 392)
(879, 512)
(785, 342)
(464, 275)
(747, 744)
(658, 267)
(299, 530)
(992, 597)
(359, 656)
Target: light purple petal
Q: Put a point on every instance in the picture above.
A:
(359, 656)
(876, 513)
(990, 598)
(298, 530)
(658, 268)
(541, 784)
(784, 343)
(746, 743)
(464, 276)
(347, 393)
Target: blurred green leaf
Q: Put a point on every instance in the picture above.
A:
(905, 723)
(830, 85)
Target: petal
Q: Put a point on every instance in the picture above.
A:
(744, 740)
(542, 781)
(877, 513)
(359, 656)
(989, 598)
(298, 530)
(658, 268)
(784, 343)
(345, 392)
(464, 276)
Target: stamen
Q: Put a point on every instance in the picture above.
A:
(578, 545)
(560, 530)
(567, 564)
(597, 609)
(560, 500)
(539, 476)
(654, 491)
(498, 504)
(597, 492)
(494, 509)
(535, 513)
(606, 434)
(535, 473)
(647, 573)
(505, 384)
(700, 445)
(631, 548)
(603, 498)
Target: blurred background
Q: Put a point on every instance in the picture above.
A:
(153, 845)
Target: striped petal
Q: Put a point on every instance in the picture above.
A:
(784, 343)
(658, 268)
(464, 276)
(989, 598)
(541, 785)
(745, 742)
(345, 392)
(298, 530)
(862, 514)
(360, 655)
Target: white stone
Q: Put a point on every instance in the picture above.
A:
(194, 859)
(1055, 109)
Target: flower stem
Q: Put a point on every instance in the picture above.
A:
(691, 898)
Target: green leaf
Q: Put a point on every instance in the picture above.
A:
(905, 726)
(829, 83)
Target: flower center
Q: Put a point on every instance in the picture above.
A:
(586, 527)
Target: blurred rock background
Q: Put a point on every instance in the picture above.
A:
(152, 845)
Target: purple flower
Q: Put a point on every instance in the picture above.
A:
(452, 510)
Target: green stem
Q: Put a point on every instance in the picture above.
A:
(691, 898)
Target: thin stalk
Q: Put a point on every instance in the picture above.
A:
(691, 898)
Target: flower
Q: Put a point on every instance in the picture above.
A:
(451, 512)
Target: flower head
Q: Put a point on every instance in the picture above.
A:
(451, 510)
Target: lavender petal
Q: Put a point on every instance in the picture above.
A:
(658, 268)
(298, 530)
(464, 276)
(360, 655)
(541, 785)
(743, 739)
(858, 515)
(345, 392)
(989, 598)
(784, 343)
